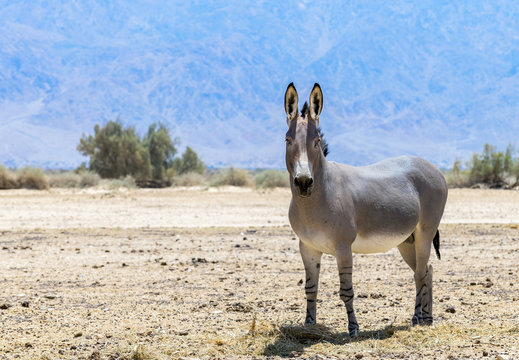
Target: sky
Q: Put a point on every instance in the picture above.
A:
(436, 79)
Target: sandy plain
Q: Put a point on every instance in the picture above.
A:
(216, 273)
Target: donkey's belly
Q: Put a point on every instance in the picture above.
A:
(377, 243)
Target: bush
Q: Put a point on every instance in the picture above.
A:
(161, 150)
(31, 178)
(233, 177)
(64, 180)
(271, 179)
(189, 162)
(88, 179)
(495, 169)
(190, 179)
(126, 182)
(116, 151)
(7, 179)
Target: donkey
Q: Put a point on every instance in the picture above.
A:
(339, 209)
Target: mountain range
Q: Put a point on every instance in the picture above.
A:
(436, 79)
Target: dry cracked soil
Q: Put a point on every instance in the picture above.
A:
(216, 273)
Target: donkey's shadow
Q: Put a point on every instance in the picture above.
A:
(296, 338)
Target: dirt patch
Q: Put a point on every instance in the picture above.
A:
(235, 290)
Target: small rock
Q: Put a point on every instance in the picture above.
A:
(25, 304)
(485, 353)
(78, 334)
(359, 356)
(183, 332)
(300, 282)
(28, 345)
(4, 306)
(450, 309)
(294, 354)
(239, 307)
(73, 347)
(95, 355)
(125, 264)
(163, 263)
(50, 297)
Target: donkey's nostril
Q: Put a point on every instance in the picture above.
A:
(303, 182)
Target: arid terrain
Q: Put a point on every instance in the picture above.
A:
(216, 273)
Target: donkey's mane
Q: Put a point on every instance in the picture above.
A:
(324, 144)
(304, 110)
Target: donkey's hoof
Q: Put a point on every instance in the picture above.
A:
(310, 322)
(416, 320)
(354, 333)
(427, 321)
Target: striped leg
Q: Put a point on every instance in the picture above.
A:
(423, 278)
(345, 266)
(312, 263)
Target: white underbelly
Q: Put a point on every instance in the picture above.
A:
(377, 243)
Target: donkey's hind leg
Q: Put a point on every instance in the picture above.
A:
(408, 252)
(423, 275)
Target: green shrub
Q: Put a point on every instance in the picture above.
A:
(31, 178)
(492, 168)
(116, 151)
(271, 179)
(233, 177)
(67, 179)
(7, 179)
(189, 162)
(161, 150)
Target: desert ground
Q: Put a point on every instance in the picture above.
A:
(187, 273)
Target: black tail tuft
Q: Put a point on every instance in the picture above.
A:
(436, 243)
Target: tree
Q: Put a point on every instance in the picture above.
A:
(161, 149)
(115, 151)
(189, 162)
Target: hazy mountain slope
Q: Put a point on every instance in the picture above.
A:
(432, 79)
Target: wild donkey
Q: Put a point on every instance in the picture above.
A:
(339, 209)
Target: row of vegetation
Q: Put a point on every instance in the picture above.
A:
(491, 168)
(34, 178)
(119, 157)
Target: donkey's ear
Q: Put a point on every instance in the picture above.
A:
(291, 103)
(316, 103)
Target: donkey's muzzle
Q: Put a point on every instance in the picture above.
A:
(304, 184)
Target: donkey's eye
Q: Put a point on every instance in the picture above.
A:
(288, 140)
(317, 142)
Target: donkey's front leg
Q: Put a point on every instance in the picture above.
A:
(345, 265)
(312, 262)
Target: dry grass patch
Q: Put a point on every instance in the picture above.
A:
(64, 180)
(392, 341)
(32, 178)
(271, 179)
(7, 179)
(232, 177)
(190, 179)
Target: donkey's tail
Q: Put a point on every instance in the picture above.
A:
(436, 243)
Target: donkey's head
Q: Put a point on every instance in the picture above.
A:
(305, 149)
